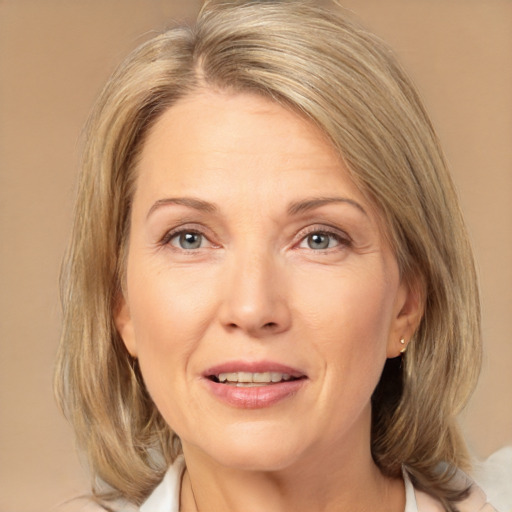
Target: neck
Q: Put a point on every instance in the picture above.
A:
(342, 478)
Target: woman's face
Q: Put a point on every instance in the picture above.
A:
(261, 297)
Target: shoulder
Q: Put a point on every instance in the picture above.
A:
(494, 475)
(475, 502)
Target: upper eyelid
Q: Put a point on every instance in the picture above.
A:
(319, 228)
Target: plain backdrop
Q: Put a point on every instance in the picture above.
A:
(54, 57)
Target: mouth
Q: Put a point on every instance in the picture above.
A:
(254, 384)
(253, 379)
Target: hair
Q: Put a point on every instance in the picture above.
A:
(324, 66)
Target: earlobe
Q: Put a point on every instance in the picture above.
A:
(124, 325)
(408, 313)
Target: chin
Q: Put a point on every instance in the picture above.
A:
(256, 451)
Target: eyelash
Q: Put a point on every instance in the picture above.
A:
(342, 239)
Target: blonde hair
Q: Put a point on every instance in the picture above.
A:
(346, 81)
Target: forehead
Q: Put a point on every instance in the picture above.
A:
(214, 136)
(237, 117)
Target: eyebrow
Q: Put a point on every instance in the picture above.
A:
(190, 202)
(295, 208)
(316, 202)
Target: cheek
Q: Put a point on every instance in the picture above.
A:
(352, 307)
(348, 317)
(166, 329)
(170, 314)
(170, 308)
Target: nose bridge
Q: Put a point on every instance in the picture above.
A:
(254, 299)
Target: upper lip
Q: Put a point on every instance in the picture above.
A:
(253, 367)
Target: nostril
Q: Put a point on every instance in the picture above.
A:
(270, 325)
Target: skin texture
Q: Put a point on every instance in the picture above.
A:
(258, 286)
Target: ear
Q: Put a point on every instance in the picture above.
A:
(124, 325)
(407, 315)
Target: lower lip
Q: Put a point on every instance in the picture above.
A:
(256, 397)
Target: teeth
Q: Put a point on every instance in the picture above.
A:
(248, 378)
(244, 377)
(262, 377)
(276, 377)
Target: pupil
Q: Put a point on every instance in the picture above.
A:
(190, 241)
(318, 241)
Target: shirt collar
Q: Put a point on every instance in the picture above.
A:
(166, 495)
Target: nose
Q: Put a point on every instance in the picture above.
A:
(254, 296)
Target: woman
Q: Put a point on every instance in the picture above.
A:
(270, 297)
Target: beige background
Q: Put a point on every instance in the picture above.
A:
(54, 57)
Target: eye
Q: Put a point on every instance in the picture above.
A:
(322, 240)
(188, 240)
